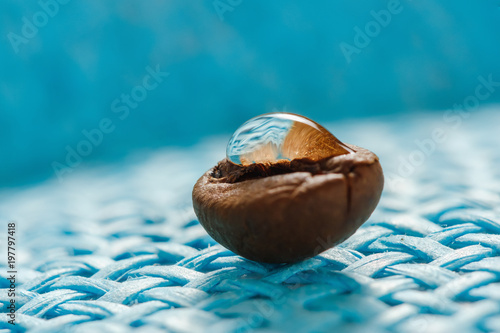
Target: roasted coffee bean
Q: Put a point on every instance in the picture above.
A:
(288, 192)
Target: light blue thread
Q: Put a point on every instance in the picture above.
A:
(463, 256)
(470, 215)
(174, 296)
(116, 270)
(427, 259)
(365, 236)
(486, 264)
(459, 287)
(426, 301)
(135, 313)
(412, 225)
(424, 274)
(94, 309)
(385, 288)
(97, 287)
(178, 275)
(47, 301)
(131, 289)
(373, 264)
(486, 240)
(424, 248)
(488, 291)
(224, 300)
(449, 234)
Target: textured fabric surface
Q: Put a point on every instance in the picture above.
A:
(118, 248)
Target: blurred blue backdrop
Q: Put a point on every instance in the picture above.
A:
(67, 67)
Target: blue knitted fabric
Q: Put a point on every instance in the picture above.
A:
(118, 248)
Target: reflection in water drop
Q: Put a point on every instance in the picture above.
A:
(282, 136)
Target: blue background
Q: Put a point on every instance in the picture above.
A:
(261, 56)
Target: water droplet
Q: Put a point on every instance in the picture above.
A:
(282, 136)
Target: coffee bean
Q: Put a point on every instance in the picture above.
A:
(282, 211)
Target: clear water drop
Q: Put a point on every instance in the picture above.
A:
(282, 136)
